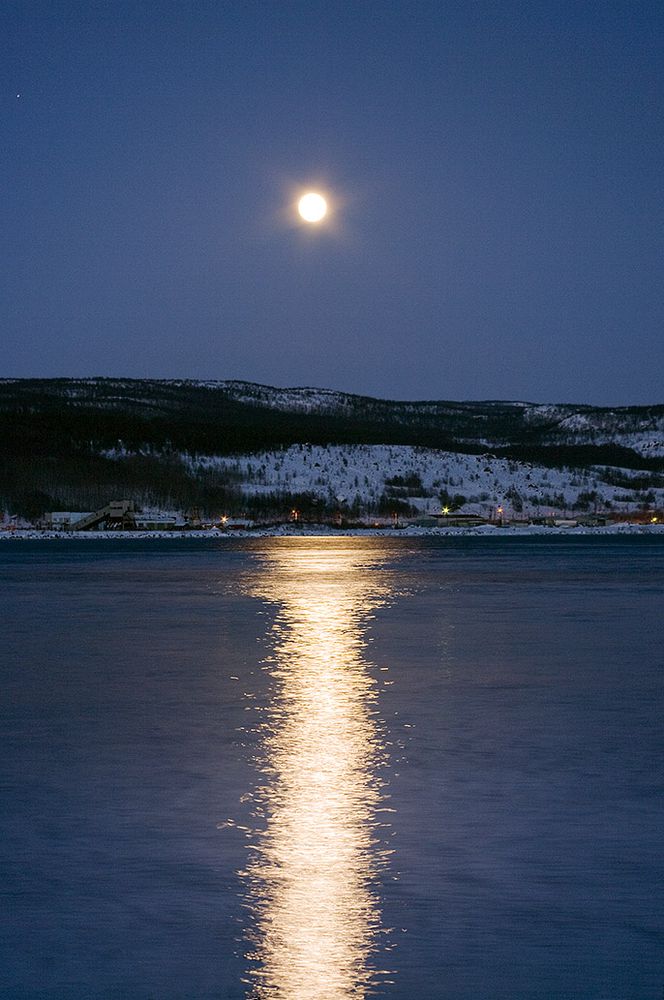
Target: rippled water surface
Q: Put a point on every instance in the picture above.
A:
(332, 768)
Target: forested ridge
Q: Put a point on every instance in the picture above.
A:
(56, 435)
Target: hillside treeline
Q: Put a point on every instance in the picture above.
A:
(54, 433)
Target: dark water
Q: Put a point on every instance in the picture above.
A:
(332, 768)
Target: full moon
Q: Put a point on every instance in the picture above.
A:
(312, 207)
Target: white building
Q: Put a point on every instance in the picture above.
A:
(64, 520)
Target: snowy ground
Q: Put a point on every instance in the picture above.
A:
(287, 530)
(361, 473)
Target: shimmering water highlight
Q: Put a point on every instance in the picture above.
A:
(311, 878)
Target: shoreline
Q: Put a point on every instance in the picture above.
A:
(322, 531)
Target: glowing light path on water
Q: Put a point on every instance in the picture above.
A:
(311, 878)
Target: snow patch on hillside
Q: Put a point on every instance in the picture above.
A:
(362, 474)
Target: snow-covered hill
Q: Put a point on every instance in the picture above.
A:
(638, 428)
(492, 422)
(360, 477)
(227, 444)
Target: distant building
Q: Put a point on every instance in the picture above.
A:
(452, 520)
(236, 524)
(636, 517)
(116, 514)
(157, 522)
(64, 520)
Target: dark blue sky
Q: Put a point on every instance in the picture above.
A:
(496, 173)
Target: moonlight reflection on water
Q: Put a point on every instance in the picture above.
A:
(521, 729)
(314, 862)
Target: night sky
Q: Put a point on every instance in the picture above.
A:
(495, 174)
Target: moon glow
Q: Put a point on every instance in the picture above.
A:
(312, 207)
